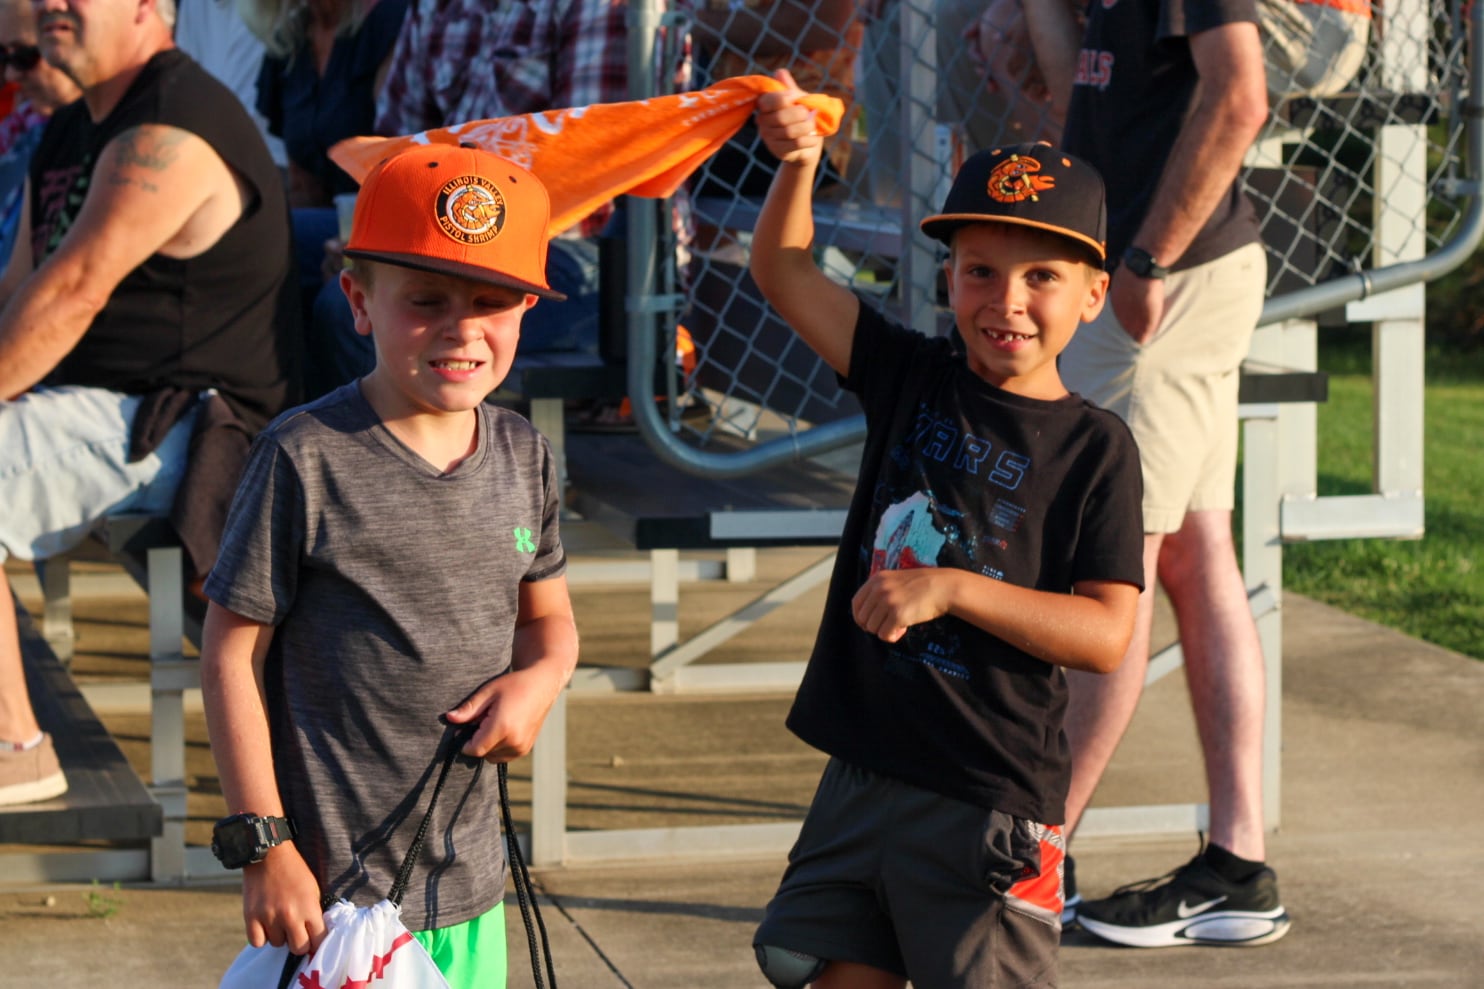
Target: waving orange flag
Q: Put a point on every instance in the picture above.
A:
(588, 155)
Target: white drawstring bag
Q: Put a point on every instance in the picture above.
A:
(363, 946)
(370, 946)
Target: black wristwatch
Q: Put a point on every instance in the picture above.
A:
(1140, 262)
(243, 839)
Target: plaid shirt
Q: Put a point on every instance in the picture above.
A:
(462, 60)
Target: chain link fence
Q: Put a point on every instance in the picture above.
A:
(1361, 166)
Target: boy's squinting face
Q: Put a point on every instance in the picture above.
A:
(1018, 295)
(442, 343)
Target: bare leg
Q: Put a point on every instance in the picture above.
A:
(1224, 670)
(852, 975)
(17, 720)
(1100, 706)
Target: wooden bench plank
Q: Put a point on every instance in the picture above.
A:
(105, 798)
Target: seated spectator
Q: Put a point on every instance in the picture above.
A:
(1312, 47)
(324, 65)
(990, 87)
(322, 71)
(819, 47)
(41, 90)
(1012, 101)
(156, 329)
(215, 35)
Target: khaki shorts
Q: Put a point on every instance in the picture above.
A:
(1178, 393)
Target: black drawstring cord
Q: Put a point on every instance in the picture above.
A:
(521, 878)
(518, 872)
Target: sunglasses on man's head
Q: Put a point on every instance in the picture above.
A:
(21, 57)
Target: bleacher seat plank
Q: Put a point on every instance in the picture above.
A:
(105, 798)
(618, 481)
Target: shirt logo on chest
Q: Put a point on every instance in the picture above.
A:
(523, 541)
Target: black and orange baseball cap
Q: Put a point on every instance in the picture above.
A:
(1030, 185)
(455, 210)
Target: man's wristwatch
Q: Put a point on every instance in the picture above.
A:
(1140, 262)
(243, 839)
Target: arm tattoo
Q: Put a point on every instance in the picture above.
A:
(142, 150)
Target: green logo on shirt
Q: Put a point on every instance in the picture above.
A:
(523, 543)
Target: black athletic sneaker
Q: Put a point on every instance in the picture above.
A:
(1192, 905)
(1071, 898)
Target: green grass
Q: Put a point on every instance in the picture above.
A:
(1431, 588)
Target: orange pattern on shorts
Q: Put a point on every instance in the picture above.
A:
(1044, 889)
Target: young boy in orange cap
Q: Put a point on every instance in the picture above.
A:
(994, 539)
(392, 578)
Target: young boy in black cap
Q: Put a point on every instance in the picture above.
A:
(994, 538)
(391, 566)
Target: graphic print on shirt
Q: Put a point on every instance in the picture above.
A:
(915, 528)
(60, 198)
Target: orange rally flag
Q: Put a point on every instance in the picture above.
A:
(588, 155)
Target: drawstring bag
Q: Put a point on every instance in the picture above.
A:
(363, 946)
(366, 946)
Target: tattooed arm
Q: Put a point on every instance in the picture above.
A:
(155, 190)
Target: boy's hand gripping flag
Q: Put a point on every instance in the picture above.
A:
(588, 155)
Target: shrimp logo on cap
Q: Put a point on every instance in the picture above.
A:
(1015, 180)
(471, 210)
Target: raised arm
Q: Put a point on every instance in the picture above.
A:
(280, 896)
(819, 310)
(155, 189)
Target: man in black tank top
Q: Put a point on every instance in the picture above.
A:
(143, 317)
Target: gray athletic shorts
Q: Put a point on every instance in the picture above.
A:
(912, 882)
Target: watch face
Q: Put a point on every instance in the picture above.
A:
(233, 842)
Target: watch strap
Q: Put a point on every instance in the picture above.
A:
(1142, 263)
(274, 831)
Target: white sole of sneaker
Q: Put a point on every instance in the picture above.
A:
(1069, 911)
(1235, 929)
(30, 793)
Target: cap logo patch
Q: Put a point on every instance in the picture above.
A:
(1014, 180)
(471, 210)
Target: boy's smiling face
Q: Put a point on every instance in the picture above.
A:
(442, 343)
(1018, 295)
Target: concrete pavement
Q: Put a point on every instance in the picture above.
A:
(1380, 853)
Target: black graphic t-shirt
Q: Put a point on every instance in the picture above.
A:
(958, 473)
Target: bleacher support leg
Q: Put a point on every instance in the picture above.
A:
(167, 712)
(664, 599)
(549, 788)
(55, 576)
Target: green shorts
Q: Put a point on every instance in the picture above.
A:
(470, 955)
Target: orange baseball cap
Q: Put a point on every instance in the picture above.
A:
(455, 210)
